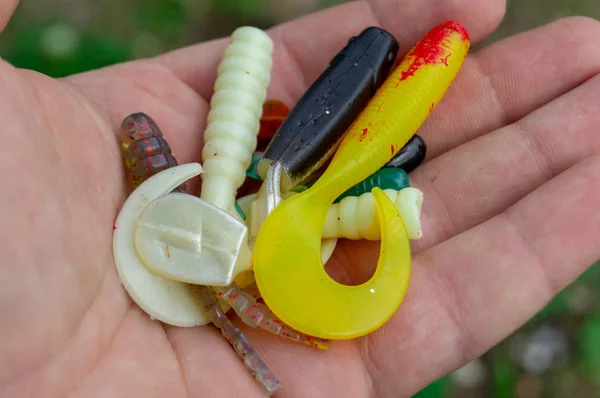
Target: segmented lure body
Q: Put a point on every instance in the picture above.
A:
(145, 152)
(233, 121)
(355, 217)
(233, 124)
(256, 314)
(238, 341)
(139, 129)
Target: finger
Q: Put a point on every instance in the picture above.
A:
(482, 178)
(304, 47)
(7, 8)
(510, 78)
(473, 290)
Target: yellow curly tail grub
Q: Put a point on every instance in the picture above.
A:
(287, 265)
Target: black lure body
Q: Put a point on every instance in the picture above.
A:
(311, 132)
(410, 156)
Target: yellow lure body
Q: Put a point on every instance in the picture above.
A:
(287, 255)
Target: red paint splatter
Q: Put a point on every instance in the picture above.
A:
(433, 48)
(393, 149)
(364, 134)
(215, 154)
(114, 227)
(149, 149)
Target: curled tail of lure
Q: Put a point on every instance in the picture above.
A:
(234, 118)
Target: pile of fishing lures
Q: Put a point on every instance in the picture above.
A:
(279, 187)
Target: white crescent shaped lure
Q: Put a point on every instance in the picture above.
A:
(168, 301)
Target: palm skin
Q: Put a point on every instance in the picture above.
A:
(510, 214)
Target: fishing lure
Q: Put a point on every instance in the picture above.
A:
(255, 314)
(410, 156)
(274, 113)
(232, 296)
(236, 109)
(238, 341)
(253, 181)
(312, 130)
(233, 120)
(252, 171)
(214, 312)
(390, 178)
(166, 300)
(287, 266)
(144, 150)
(355, 217)
(230, 139)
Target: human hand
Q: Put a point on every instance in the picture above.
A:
(509, 217)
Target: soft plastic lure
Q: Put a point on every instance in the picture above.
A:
(274, 113)
(233, 123)
(383, 178)
(144, 150)
(311, 132)
(287, 264)
(166, 299)
(314, 127)
(355, 217)
(238, 341)
(234, 118)
(410, 156)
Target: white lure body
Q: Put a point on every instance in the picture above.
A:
(234, 118)
(355, 217)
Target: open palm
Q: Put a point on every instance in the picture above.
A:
(510, 214)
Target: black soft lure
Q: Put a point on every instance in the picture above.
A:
(410, 156)
(311, 132)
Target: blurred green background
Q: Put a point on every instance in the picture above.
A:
(557, 354)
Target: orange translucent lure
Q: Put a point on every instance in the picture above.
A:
(273, 114)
